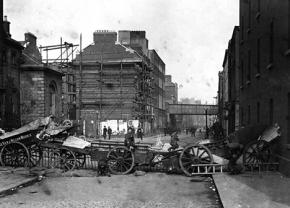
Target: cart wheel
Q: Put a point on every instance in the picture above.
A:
(256, 152)
(194, 155)
(35, 155)
(14, 154)
(62, 158)
(80, 160)
(120, 160)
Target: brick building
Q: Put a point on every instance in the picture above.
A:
(228, 93)
(264, 96)
(137, 41)
(114, 86)
(10, 59)
(41, 86)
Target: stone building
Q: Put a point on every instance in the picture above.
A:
(41, 86)
(10, 59)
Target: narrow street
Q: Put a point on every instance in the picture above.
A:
(150, 190)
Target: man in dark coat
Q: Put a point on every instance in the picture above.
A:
(140, 132)
(109, 132)
(129, 139)
(105, 130)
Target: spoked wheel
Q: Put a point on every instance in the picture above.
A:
(80, 160)
(120, 160)
(15, 154)
(35, 155)
(256, 152)
(193, 155)
(62, 158)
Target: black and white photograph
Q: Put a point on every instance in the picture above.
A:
(145, 103)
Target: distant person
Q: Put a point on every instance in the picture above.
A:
(105, 130)
(140, 132)
(109, 132)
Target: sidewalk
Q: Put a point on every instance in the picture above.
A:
(11, 178)
(264, 190)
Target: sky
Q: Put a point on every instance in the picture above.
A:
(189, 35)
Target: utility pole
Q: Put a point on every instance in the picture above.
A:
(81, 79)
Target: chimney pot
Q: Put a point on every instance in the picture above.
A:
(5, 18)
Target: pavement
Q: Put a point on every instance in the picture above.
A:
(12, 178)
(127, 191)
(257, 190)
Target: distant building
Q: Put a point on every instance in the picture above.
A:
(41, 86)
(171, 90)
(189, 101)
(10, 59)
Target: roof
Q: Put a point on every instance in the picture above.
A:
(40, 67)
(109, 52)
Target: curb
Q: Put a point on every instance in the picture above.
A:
(14, 188)
(217, 191)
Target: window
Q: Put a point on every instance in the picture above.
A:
(242, 116)
(52, 97)
(271, 42)
(288, 24)
(242, 72)
(13, 58)
(258, 112)
(271, 111)
(249, 114)
(258, 54)
(242, 27)
(259, 6)
(288, 119)
(249, 66)
(249, 12)
(4, 57)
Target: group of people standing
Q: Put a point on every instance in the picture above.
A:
(107, 131)
(131, 130)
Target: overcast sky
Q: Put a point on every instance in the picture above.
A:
(189, 35)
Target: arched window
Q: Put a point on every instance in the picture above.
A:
(52, 96)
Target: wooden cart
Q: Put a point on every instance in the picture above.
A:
(19, 149)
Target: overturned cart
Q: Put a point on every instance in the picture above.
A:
(19, 148)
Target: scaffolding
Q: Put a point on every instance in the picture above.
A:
(60, 57)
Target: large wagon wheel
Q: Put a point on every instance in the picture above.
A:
(256, 152)
(193, 155)
(62, 158)
(35, 154)
(120, 160)
(14, 154)
(80, 160)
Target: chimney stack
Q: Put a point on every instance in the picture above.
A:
(6, 26)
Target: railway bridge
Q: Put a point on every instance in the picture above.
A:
(203, 114)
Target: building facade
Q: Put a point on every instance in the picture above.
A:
(228, 93)
(41, 86)
(10, 60)
(264, 70)
(114, 86)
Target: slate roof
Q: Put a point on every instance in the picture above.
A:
(109, 52)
